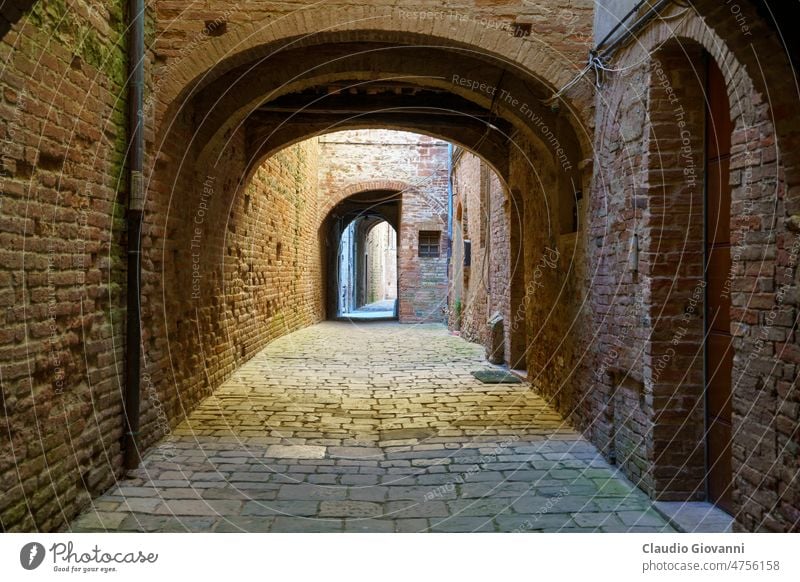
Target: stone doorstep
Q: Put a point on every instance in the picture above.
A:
(694, 516)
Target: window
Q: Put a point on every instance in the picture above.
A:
(429, 243)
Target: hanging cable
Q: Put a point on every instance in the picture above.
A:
(599, 56)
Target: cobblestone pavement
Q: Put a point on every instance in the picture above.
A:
(372, 428)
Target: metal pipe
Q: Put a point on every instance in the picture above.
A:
(706, 426)
(449, 201)
(133, 344)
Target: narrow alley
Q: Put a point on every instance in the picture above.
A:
(489, 266)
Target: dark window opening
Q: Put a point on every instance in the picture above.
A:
(485, 203)
(429, 242)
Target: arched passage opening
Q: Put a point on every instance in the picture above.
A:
(363, 256)
(243, 115)
(368, 271)
(263, 123)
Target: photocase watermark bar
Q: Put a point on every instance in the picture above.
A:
(208, 557)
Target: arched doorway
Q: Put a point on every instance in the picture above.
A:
(347, 230)
(687, 231)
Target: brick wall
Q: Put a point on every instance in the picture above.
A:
(362, 160)
(61, 260)
(471, 278)
(484, 285)
(646, 404)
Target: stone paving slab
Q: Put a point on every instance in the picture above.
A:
(295, 452)
(372, 428)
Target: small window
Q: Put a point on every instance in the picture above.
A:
(429, 243)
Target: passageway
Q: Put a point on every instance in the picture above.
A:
(367, 268)
(372, 427)
(599, 195)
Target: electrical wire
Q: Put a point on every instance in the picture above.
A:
(599, 62)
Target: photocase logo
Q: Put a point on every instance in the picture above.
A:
(31, 555)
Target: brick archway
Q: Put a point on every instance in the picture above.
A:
(676, 366)
(216, 55)
(745, 76)
(266, 102)
(344, 207)
(417, 208)
(365, 186)
(489, 150)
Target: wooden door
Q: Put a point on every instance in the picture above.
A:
(719, 352)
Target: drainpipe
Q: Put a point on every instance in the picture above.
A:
(449, 202)
(449, 226)
(133, 345)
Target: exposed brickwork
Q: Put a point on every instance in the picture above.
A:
(234, 252)
(555, 46)
(641, 187)
(484, 284)
(258, 271)
(417, 165)
(60, 239)
(471, 279)
(671, 266)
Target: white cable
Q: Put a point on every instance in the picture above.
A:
(596, 63)
(569, 85)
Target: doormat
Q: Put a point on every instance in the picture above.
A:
(496, 377)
